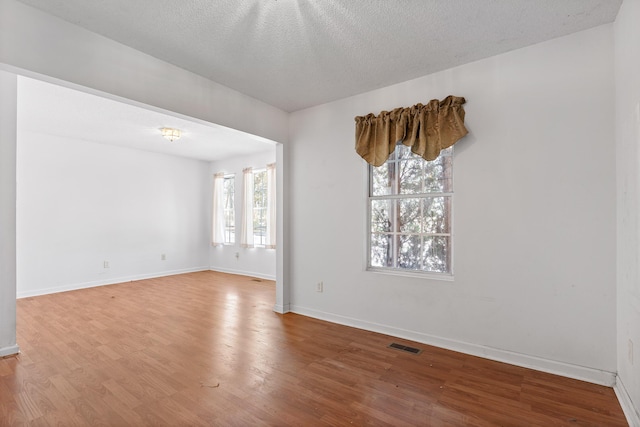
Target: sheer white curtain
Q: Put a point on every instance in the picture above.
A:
(217, 229)
(246, 234)
(271, 206)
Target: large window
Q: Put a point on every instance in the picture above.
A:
(258, 224)
(410, 203)
(223, 224)
(229, 209)
(260, 207)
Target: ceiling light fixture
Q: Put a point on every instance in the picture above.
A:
(171, 134)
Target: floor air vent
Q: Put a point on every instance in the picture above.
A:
(411, 350)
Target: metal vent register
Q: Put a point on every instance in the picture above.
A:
(408, 349)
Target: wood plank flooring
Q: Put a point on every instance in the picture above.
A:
(207, 349)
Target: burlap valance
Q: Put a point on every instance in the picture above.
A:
(427, 129)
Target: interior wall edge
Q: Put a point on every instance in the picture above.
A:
(8, 210)
(244, 273)
(282, 308)
(630, 411)
(9, 351)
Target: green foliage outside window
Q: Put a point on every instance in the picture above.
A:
(410, 212)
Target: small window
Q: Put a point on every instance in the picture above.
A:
(229, 209)
(260, 207)
(409, 213)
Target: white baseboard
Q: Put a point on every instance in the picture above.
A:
(10, 350)
(630, 412)
(109, 281)
(244, 273)
(282, 309)
(591, 375)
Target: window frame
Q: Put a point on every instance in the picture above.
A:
(397, 271)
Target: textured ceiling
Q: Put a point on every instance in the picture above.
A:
(298, 53)
(54, 110)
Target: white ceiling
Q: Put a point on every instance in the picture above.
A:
(298, 53)
(289, 53)
(55, 110)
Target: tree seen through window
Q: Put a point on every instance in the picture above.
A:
(410, 212)
(260, 207)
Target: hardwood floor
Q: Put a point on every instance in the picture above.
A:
(207, 349)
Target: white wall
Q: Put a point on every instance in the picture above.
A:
(627, 78)
(8, 113)
(256, 262)
(33, 41)
(529, 289)
(534, 213)
(82, 203)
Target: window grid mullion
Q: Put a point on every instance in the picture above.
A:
(411, 196)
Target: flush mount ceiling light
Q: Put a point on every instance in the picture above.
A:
(171, 134)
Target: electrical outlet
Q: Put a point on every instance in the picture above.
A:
(106, 264)
(319, 287)
(163, 257)
(630, 352)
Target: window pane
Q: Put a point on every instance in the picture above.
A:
(447, 152)
(392, 156)
(259, 189)
(447, 181)
(436, 214)
(437, 175)
(229, 227)
(228, 191)
(410, 215)
(260, 208)
(411, 176)
(436, 254)
(259, 226)
(381, 250)
(381, 214)
(382, 179)
(404, 152)
(229, 210)
(410, 254)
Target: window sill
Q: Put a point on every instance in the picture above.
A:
(445, 277)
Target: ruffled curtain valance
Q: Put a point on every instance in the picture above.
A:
(427, 129)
